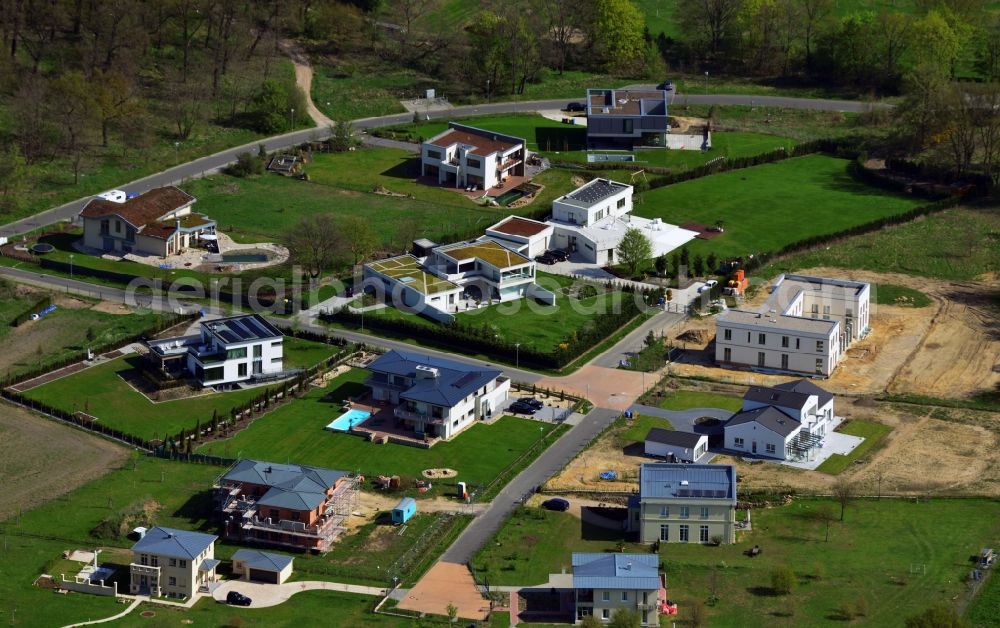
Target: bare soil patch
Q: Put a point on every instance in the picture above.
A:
(107, 307)
(29, 447)
(947, 350)
(583, 472)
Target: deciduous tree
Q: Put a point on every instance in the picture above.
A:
(634, 250)
(315, 243)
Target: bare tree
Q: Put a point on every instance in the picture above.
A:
(315, 243)
(709, 20)
(987, 129)
(824, 514)
(843, 492)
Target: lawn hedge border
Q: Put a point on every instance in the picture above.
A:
(26, 313)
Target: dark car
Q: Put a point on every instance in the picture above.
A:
(522, 408)
(237, 599)
(558, 255)
(576, 106)
(545, 259)
(556, 503)
(531, 401)
(667, 86)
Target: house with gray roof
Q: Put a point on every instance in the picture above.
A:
(167, 562)
(285, 505)
(436, 397)
(805, 326)
(604, 583)
(675, 445)
(684, 503)
(786, 422)
(258, 566)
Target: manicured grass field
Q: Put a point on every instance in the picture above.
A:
(985, 608)
(872, 432)
(956, 244)
(295, 432)
(870, 555)
(101, 392)
(637, 430)
(769, 206)
(892, 294)
(687, 399)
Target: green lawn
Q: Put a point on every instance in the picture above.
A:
(872, 432)
(295, 432)
(101, 392)
(687, 399)
(870, 555)
(985, 608)
(637, 429)
(764, 207)
(892, 294)
(955, 244)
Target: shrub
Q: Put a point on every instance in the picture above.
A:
(247, 164)
(783, 580)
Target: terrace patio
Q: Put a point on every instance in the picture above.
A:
(509, 184)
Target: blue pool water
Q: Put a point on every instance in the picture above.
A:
(347, 420)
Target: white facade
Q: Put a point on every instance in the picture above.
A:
(528, 237)
(591, 221)
(805, 326)
(686, 454)
(754, 438)
(465, 156)
(163, 566)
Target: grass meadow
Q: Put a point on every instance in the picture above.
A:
(769, 206)
(898, 556)
(872, 432)
(101, 392)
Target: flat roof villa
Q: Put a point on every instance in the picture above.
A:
(626, 118)
(528, 237)
(227, 352)
(592, 220)
(472, 158)
(805, 326)
(442, 283)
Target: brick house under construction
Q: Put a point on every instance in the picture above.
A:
(284, 505)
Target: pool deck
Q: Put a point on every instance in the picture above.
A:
(383, 424)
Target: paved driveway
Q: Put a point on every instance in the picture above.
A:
(265, 595)
(683, 420)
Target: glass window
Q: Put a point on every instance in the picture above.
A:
(258, 351)
(685, 512)
(624, 596)
(621, 203)
(770, 448)
(664, 511)
(173, 581)
(684, 534)
(761, 339)
(605, 613)
(738, 442)
(664, 533)
(241, 370)
(703, 534)
(727, 334)
(784, 342)
(235, 354)
(606, 596)
(819, 345)
(704, 512)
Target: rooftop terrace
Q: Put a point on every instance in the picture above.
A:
(406, 269)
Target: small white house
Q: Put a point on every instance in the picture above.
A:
(785, 422)
(675, 446)
(228, 351)
(258, 566)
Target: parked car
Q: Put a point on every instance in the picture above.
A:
(545, 259)
(531, 401)
(667, 86)
(522, 408)
(576, 106)
(556, 503)
(558, 255)
(711, 283)
(237, 599)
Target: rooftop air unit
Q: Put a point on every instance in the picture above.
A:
(426, 372)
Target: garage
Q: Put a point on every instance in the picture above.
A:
(266, 567)
(675, 446)
(259, 575)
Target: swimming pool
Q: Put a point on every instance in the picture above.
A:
(247, 256)
(347, 420)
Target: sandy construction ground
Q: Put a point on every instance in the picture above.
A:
(949, 349)
(31, 447)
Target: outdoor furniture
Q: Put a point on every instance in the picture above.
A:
(754, 551)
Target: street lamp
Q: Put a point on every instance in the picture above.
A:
(706, 81)
(177, 157)
(291, 116)
(70, 265)
(487, 91)
(517, 355)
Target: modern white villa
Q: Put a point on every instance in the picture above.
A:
(158, 223)
(805, 326)
(227, 352)
(436, 397)
(528, 237)
(472, 158)
(786, 422)
(452, 277)
(591, 221)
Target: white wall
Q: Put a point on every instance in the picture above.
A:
(654, 448)
(569, 212)
(753, 433)
(801, 351)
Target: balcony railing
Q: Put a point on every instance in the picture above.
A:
(409, 415)
(144, 570)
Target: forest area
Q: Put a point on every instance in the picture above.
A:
(96, 92)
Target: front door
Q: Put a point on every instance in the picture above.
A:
(754, 447)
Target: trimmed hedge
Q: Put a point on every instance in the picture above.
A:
(25, 315)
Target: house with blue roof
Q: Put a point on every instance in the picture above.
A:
(286, 505)
(173, 563)
(436, 397)
(604, 583)
(684, 503)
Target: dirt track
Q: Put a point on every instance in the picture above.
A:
(948, 349)
(30, 448)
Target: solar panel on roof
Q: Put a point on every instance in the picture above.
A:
(683, 492)
(239, 330)
(254, 325)
(228, 336)
(720, 493)
(465, 379)
(594, 192)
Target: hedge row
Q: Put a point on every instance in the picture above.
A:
(480, 339)
(35, 307)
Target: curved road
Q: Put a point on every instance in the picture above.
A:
(213, 163)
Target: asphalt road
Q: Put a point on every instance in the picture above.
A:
(213, 163)
(545, 466)
(636, 340)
